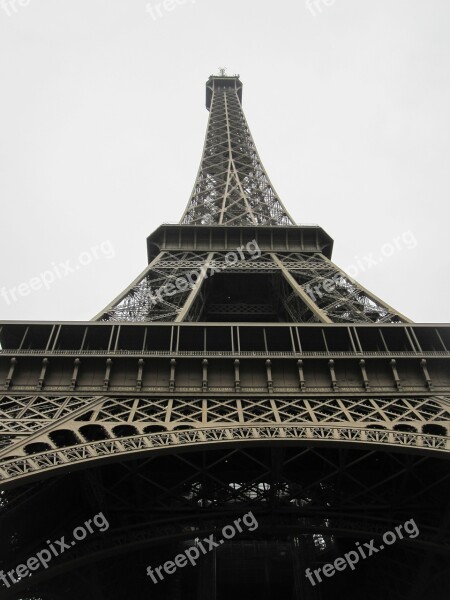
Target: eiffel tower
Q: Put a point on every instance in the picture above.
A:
(241, 372)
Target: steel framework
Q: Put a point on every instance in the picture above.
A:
(211, 386)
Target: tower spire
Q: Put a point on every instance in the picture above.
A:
(232, 186)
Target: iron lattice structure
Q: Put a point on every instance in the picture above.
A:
(232, 186)
(210, 387)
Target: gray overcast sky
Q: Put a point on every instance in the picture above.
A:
(102, 122)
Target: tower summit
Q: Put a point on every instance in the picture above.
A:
(232, 186)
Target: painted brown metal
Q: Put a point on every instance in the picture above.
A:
(278, 385)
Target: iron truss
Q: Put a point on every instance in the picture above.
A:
(232, 187)
(211, 387)
(297, 283)
(76, 393)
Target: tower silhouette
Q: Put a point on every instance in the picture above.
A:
(242, 371)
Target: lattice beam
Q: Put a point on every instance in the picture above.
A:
(232, 186)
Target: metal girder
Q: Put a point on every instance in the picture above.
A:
(363, 385)
(321, 316)
(31, 458)
(166, 290)
(194, 292)
(146, 298)
(232, 186)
